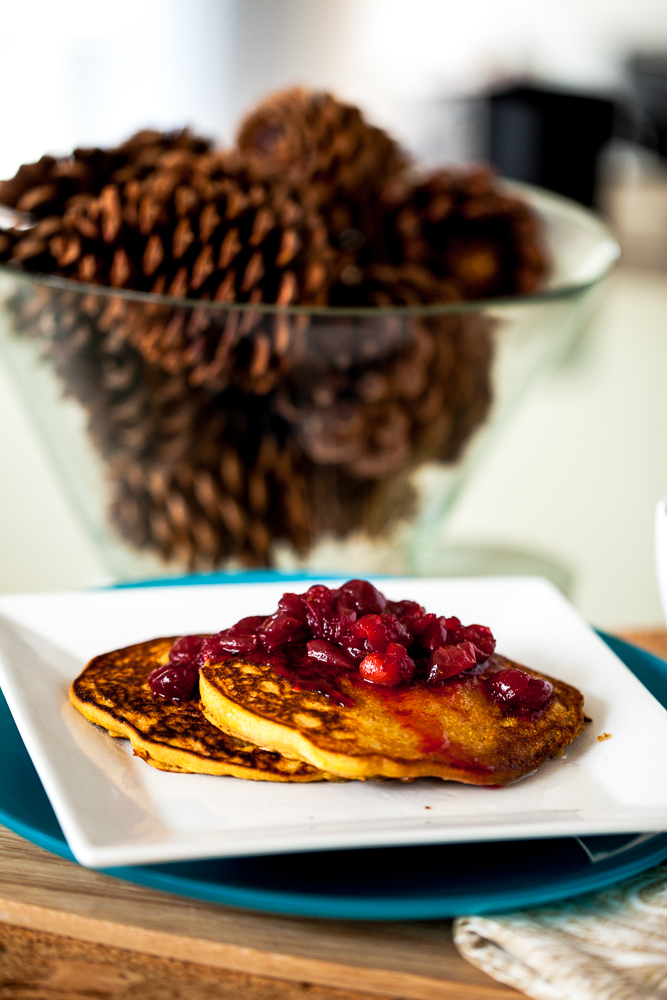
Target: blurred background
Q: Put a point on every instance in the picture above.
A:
(570, 96)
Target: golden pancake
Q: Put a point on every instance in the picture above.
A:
(455, 731)
(113, 692)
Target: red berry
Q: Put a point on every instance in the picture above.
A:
(371, 668)
(434, 634)
(396, 656)
(326, 652)
(482, 639)
(388, 669)
(363, 597)
(519, 690)
(455, 630)
(218, 647)
(377, 631)
(405, 611)
(293, 604)
(420, 624)
(248, 626)
(282, 629)
(447, 661)
(186, 648)
(173, 683)
(319, 602)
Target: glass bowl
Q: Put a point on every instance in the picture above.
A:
(191, 436)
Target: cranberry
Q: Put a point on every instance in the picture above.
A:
(320, 594)
(447, 661)
(398, 656)
(319, 603)
(430, 632)
(420, 624)
(339, 628)
(240, 638)
(294, 605)
(455, 630)
(482, 639)
(537, 694)
(518, 690)
(326, 652)
(405, 611)
(282, 629)
(363, 597)
(388, 669)
(218, 647)
(186, 649)
(248, 626)
(173, 683)
(377, 631)
(354, 650)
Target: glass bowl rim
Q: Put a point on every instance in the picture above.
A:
(609, 253)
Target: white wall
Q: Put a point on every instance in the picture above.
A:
(81, 73)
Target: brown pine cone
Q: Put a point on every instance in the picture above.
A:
(196, 477)
(375, 395)
(336, 160)
(44, 188)
(463, 228)
(194, 226)
(55, 194)
(318, 143)
(215, 236)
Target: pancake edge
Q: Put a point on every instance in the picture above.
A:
(290, 742)
(168, 758)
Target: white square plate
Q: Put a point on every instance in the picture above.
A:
(116, 810)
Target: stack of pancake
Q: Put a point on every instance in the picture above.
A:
(249, 720)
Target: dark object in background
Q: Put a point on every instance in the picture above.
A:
(648, 79)
(551, 138)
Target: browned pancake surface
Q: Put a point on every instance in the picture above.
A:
(454, 732)
(113, 692)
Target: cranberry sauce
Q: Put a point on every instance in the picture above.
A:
(518, 690)
(177, 680)
(318, 637)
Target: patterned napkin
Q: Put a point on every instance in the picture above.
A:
(609, 945)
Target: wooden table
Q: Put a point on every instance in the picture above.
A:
(67, 932)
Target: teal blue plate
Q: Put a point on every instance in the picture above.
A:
(396, 883)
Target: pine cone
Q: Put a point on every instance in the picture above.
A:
(319, 144)
(337, 162)
(462, 228)
(373, 397)
(53, 190)
(44, 188)
(198, 226)
(220, 237)
(193, 226)
(195, 476)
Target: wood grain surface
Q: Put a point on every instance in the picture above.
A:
(66, 931)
